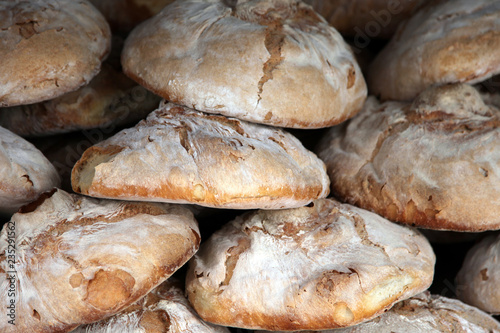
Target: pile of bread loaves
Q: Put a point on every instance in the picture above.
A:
(331, 220)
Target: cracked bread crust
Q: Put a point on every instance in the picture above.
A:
(323, 266)
(479, 277)
(164, 309)
(110, 100)
(79, 260)
(443, 42)
(185, 156)
(68, 39)
(24, 172)
(434, 163)
(426, 313)
(275, 62)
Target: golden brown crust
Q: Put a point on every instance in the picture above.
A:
(79, 260)
(109, 100)
(184, 156)
(296, 70)
(320, 267)
(68, 39)
(433, 163)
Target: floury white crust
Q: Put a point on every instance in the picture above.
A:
(24, 172)
(426, 313)
(443, 42)
(478, 280)
(79, 260)
(320, 267)
(164, 309)
(267, 61)
(434, 163)
(184, 156)
(48, 48)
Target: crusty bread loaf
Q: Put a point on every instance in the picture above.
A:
(24, 172)
(426, 313)
(109, 100)
(443, 42)
(478, 280)
(434, 163)
(319, 267)
(78, 260)
(184, 156)
(49, 48)
(164, 309)
(267, 61)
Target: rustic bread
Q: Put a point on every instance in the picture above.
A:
(49, 48)
(478, 280)
(443, 42)
(124, 15)
(364, 19)
(164, 309)
(426, 313)
(267, 61)
(24, 172)
(319, 267)
(434, 163)
(184, 156)
(109, 100)
(79, 260)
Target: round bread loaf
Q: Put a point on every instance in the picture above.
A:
(434, 163)
(364, 19)
(443, 42)
(319, 267)
(109, 100)
(24, 172)
(267, 61)
(48, 48)
(478, 280)
(425, 313)
(72, 260)
(124, 15)
(184, 156)
(164, 309)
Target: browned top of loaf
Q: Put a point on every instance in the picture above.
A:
(268, 61)
(48, 48)
(434, 163)
(184, 156)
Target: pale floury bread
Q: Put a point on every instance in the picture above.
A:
(322, 266)
(365, 19)
(24, 172)
(78, 260)
(426, 313)
(443, 42)
(434, 163)
(164, 309)
(184, 156)
(267, 61)
(110, 100)
(478, 280)
(48, 48)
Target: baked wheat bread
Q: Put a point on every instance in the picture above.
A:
(164, 309)
(434, 163)
(267, 61)
(48, 48)
(426, 313)
(479, 278)
(184, 156)
(443, 42)
(320, 267)
(24, 172)
(110, 100)
(79, 260)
